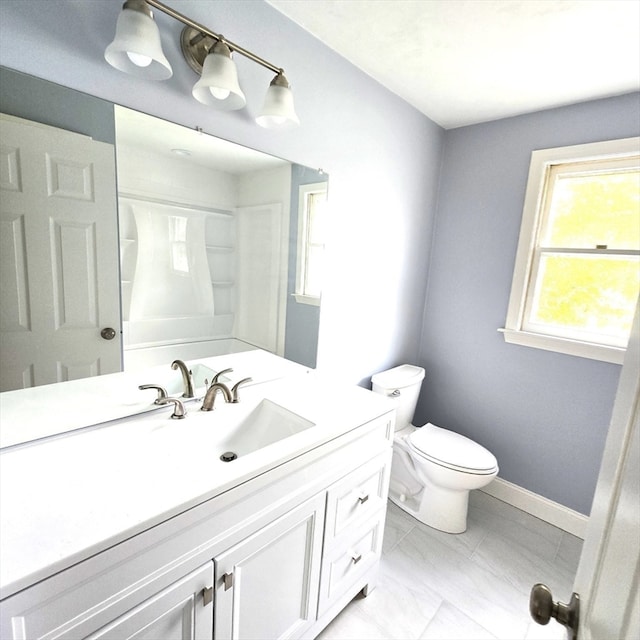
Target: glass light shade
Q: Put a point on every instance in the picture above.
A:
(136, 48)
(278, 111)
(218, 85)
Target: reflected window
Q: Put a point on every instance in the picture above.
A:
(178, 243)
(311, 223)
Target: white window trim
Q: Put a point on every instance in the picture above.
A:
(303, 192)
(541, 161)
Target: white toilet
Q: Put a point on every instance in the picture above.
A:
(433, 469)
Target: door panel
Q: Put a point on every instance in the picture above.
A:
(58, 265)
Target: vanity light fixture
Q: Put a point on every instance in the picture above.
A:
(136, 49)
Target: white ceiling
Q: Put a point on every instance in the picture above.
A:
(461, 62)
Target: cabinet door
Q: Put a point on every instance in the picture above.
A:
(267, 585)
(179, 612)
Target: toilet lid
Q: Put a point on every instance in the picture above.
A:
(452, 450)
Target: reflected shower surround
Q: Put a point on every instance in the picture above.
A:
(172, 293)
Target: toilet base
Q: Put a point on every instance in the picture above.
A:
(438, 508)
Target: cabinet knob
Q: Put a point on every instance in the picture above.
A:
(207, 595)
(227, 579)
(356, 558)
(363, 497)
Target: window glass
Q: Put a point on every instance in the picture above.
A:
(577, 274)
(596, 209)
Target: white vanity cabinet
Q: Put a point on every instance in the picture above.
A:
(277, 556)
(179, 612)
(267, 585)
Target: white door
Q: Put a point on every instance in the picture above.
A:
(609, 570)
(58, 256)
(607, 580)
(261, 278)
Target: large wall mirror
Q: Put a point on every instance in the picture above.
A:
(202, 247)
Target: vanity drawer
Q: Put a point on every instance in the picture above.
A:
(357, 496)
(349, 559)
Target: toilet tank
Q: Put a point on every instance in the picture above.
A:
(402, 384)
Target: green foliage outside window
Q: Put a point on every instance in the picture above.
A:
(594, 292)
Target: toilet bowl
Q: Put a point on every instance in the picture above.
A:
(433, 469)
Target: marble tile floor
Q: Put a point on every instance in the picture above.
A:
(471, 586)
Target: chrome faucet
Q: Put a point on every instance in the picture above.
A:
(187, 378)
(230, 395)
(212, 391)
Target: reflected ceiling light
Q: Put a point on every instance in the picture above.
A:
(136, 49)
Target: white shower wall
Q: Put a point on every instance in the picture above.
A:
(209, 304)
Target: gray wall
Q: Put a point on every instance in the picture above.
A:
(23, 96)
(381, 154)
(544, 415)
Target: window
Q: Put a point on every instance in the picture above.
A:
(577, 272)
(311, 214)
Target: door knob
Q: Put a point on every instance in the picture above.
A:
(543, 608)
(108, 333)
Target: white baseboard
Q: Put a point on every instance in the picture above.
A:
(552, 512)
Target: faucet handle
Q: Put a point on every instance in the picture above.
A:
(179, 411)
(234, 389)
(220, 373)
(162, 392)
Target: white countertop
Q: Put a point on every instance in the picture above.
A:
(67, 497)
(39, 412)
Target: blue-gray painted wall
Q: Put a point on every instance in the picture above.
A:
(544, 415)
(26, 97)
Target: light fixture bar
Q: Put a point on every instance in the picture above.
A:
(202, 29)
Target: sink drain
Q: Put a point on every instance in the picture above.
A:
(228, 456)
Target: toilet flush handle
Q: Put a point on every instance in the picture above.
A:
(395, 393)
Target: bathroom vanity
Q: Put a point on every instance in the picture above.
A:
(137, 528)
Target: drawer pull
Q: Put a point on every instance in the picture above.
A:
(363, 497)
(356, 558)
(227, 579)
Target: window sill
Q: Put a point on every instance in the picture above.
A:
(302, 299)
(604, 353)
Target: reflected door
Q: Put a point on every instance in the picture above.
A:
(60, 316)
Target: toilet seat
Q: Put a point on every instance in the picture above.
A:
(451, 450)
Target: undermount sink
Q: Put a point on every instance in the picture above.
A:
(267, 423)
